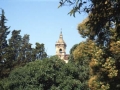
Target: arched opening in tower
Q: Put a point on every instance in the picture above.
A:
(60, 50)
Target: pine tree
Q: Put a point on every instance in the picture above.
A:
(26, 49)
(40, 51)
(3, 41)
(15, 43)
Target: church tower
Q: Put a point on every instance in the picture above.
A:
(61, 47)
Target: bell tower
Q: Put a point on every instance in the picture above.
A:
(61, 47)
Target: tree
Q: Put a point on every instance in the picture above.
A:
(83, 54)
(102, 14)
(18, 51)
(102, 27)
(48, 74)
(40, 51)
(84, 29)
(3, 42)
(71, 58)
(104, 68)
(15, 44)
(104, 65)
(25, 50)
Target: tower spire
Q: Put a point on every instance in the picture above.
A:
(61, 48)
(61, 36)
(61, 30)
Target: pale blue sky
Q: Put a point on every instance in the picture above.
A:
(42, 20)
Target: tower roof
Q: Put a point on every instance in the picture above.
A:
(60, 40)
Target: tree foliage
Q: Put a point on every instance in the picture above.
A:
(71, 58)
(105, 69)
(103, 27)
(84, 29)
(16, 51)
(102, 15)
(3, 42)
(48, 74)
(40, 51)
(104, 64)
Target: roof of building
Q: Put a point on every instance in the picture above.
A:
(60, 40)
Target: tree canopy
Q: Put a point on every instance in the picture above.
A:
(102, 15)
(16, 51)
(94, 64)
(102, 26)
(48, 74)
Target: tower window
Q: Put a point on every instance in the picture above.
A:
(60, 50)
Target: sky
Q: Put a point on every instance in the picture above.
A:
(43, 21)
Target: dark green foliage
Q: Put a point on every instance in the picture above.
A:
(48, 74)
(3, 42)
(15, 44)
(40, 51)
(17, 51)
(76, 4)
(25, 51)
